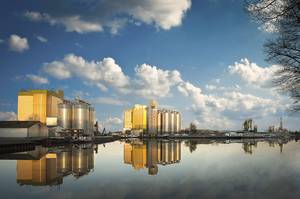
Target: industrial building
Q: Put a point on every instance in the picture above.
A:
(51, 168)
(76, 117)
(151, 153)
(152, 120)
(136, 118)
(38, 105)
(23, 129)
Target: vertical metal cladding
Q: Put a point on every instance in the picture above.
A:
(168, 121)
(165, 121)
(80, 116)
(77, 115)
(91, 118)
(172, 121)
(159, 123)
(177, 122)
(65, 115)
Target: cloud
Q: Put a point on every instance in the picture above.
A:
(109, 101)
(8, 116)
(17, 43)
(252, 73)
(1, 41)
(111, 123)
(269, 10)
(151, 81)
(42, 39)
(94, 72)
(217, 107)
(113, 15)
(71, 23)
(37, 79)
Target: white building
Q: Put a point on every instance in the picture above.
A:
(23, 129)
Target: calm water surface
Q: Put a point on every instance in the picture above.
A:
(154, 169)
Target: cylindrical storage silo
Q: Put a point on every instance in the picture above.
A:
(64, 162)
(79, 162)
(178, 122)
(91, 119)
(172, 122)
(80, 116)
(65, 115)
(159, 122)
(165, 121)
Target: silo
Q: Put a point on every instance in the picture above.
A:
(178, 151)
(91, 119)
(64, 162)
(65, 115)
(165, 122)
(80, 116)
(159, 126)
(79, 162)
(172, 121)
(177, 122)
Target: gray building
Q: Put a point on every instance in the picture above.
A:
(23, 129)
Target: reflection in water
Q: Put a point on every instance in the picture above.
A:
(251, 168)
(53, 165)
(150, 153)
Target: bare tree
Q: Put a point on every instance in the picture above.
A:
(282, 18)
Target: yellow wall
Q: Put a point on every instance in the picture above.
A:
(32, 171)
(136, 155)
(139, 156)
(37, 105)
(128, 119)
(127, 153)
(139, 117)
(25, 107)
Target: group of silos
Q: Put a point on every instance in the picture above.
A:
(168, 121)
(162, 121)
(76, 116)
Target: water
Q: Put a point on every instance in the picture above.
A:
(155, 169)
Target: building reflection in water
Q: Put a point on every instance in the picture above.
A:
(52, 167)
(148, 154)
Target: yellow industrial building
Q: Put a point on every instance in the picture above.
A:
(136, 155)
(38, 105)
(136, 118)
(38, 172)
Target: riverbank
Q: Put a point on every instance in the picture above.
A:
(25, 142)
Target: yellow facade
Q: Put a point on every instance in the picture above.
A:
(139, 117)
(136, 118)
(37, 105)
(128, 119)
(136, 155)
(31, 171)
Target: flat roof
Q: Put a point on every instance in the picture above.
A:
(18, 124)
(56, 93)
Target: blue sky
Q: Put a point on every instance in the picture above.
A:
(119, 53)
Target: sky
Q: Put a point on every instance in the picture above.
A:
(202, 58)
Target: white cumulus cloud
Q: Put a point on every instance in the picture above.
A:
(8, 116)
(152, 81)
(113, 14)
(37, 79)
(252, 73)
(106, 71)
(17, 43)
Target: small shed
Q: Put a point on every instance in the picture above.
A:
(23, 129)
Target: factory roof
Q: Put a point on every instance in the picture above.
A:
(17, 124)
(56, 93)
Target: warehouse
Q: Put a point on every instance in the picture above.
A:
(23, 129)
